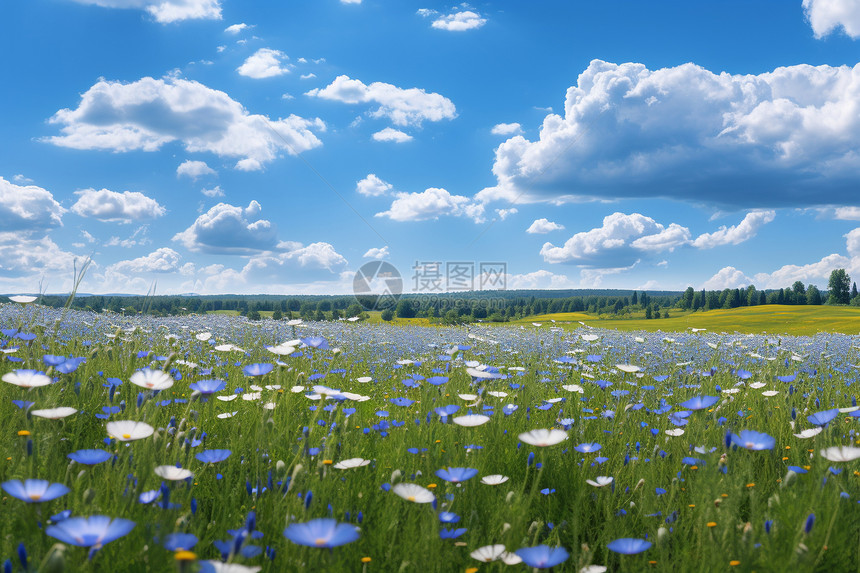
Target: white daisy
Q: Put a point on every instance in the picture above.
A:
(543, 437)
(413, 492)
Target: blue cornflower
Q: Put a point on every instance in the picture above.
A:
(797, 469)
(402, 401)
(587, 448)
(448, 517)
(437, 380)
(92, 531)
(213, 456)
(753, 440)
(810, 521)
(34, 490)
(90, 457)
(321, 533)
(456, 475)
(629, 546)
(542, 556)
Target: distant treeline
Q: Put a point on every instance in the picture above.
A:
(499, 306)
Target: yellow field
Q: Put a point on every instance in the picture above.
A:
(771, 318)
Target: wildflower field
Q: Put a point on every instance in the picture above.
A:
(211, 443)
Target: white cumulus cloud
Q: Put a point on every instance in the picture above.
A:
(431, 203)
(167, 11)
(727, 277)
(507, 129)
(264, 63)
(735, 234)
(376, 253)
(163, 260)
(236, 28)
(372, 186)
(149, 113)
(403, 107)
(542, 226)
(391, 134)
(459, 21)
(107, 205)
(28, 208)
(765, 140)
(619, 242)
(826, 16)
(227, 229)
(194, 169)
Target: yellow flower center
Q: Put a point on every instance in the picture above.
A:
(23, 432)
(184, 555)
(411, 498)
(319, 542)
(126, 436)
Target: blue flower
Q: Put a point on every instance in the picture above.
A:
(208, 386)
(213, 456)
(699, 402)
(402, 401)
(90, 457)
(629, 546)
(315, 342)
(797, 469)
(257, 369)
(451, 533)
(437, 380)
(753, 440)
(823, 418)
(810, 521)
(34, 490)
(92, 531)
(456, 475)
(542, 556)
(321, 533)
(587, 448)
(180, 542)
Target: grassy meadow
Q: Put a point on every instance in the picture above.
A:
(695, 452)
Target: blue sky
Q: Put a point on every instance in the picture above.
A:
(217, 146)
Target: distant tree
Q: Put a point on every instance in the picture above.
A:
(405, 309)
(277, 314)
(752, 296)
(666, 313)
(838, 286)
(798, 288)
(335, 314)
(324, 305)
(854, 290)
(687, 298)
(634, 300)
(254, 314)
(387, 315)
(813, 295)
(649, 312)
(319, 315)
(353, 310)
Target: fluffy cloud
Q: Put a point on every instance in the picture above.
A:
(24, 261)
(391, 134)
(847, 213)
(28, 208)
(538, 280)
(376, 253)
(543, 226)
(350, 1)
(149, 113)
(236, 28)
(619, 242)
(107, 205)
(816, 273)
(431, 204)
(227, 229)
(727, 277)
(778, 138)
(825, 16)
(264, 63)
(166, 11)
(735, 234)
(459, 21)
(163, 260)
(402, 106)
(139, 237)
(194, 169)
(506, 129)
(213, 192)
(372, 186)
(505, 213)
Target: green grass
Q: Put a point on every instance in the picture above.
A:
(772, 318)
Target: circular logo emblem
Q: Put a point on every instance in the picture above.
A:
(377, 285)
